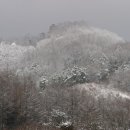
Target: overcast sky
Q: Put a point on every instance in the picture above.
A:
(19, 17)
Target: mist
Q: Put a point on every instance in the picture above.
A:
(64, 65)
(19, 17)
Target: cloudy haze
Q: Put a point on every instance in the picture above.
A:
(19, 17)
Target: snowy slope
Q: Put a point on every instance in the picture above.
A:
(105, 91)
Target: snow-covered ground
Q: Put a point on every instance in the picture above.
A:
(98, 90)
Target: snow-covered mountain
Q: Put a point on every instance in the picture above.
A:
(72, 44)
(63, 34)
(65, 45)
(76, 70)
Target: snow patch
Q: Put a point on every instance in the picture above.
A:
(102, 90)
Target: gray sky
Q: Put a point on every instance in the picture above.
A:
(19, 17)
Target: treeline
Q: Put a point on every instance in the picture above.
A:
(19, 100)
(22, 103)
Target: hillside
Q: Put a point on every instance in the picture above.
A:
(77, 77)
(75, 44)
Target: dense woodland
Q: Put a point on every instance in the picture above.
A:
(74, 77)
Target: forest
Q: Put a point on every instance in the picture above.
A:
(73, 77)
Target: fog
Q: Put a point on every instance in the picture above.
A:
(19, 17)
